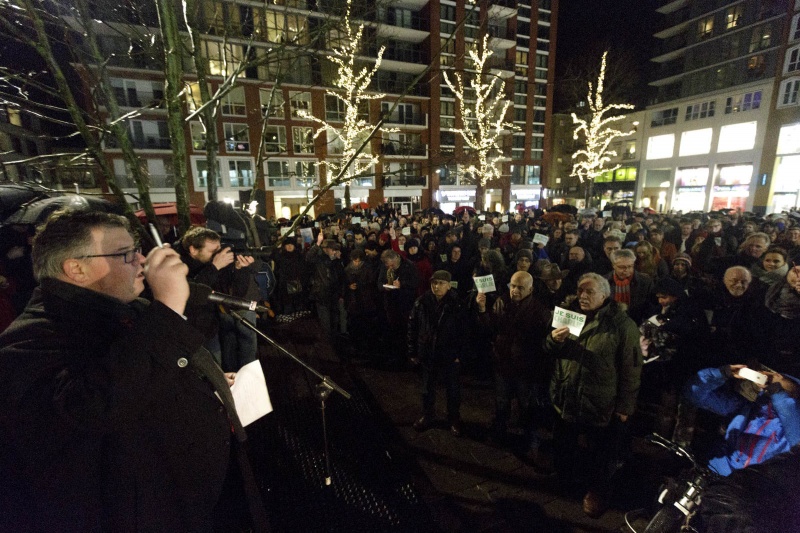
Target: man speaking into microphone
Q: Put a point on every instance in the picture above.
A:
(109, 419)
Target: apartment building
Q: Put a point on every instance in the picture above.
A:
(423, 163)
(707, 129)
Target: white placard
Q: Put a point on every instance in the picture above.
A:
(403, 209)
(505, 218)
(355, 220)
(284, 231)
(316, 224)
(250, 393)
(443, 257)
(606, 214)
(482, 217)
(365, 224)
(540, 239)
(485, 284)
(564, 317)
(454, 285)
(308, 234)
(406, 231)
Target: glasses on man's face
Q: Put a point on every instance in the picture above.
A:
(128, 256)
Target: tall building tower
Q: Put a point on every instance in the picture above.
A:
(705, 129)
(421, 164)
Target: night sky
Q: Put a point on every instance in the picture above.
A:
(586, 26)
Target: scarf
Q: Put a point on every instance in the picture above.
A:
(622, 290)
(783, 300)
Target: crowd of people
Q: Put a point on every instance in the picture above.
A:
(665, 297)
(674, 307)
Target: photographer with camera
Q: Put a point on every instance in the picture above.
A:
(217, 266)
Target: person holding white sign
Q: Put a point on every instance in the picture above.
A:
(518, 324)
(594, 389)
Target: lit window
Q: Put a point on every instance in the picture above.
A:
(696, 142)
(705, 28)
(275, 139)
(300, 103)
(335, 109)
(660, 146)
(743, 102)
(737, 137)
(237, 138)
(733, 16)
(789, 139)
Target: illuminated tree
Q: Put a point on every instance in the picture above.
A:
(356, 130)
(596, 133)
(483, 109)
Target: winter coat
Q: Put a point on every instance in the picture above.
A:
(105, 421)
(758, 431)
(519, 330)
(642, 295)
(598, 374)
(436, 329)
(326, 278)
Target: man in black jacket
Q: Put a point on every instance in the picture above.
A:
(109, 419)
(518, 324)
(435, 340)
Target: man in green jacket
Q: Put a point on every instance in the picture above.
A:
(594, 389)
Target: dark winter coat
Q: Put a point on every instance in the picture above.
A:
(436, 329)
(597, 374)
(519, 330)
(105, 421)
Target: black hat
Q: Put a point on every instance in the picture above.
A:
(669, 287)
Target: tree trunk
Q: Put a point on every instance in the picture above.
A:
(173, 82)
(208, 116)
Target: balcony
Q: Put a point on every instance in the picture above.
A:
(405, 181)
(157, 181)
(407, 119)
(397, 148)
(138, 99)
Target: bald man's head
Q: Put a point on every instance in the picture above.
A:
(521, 286)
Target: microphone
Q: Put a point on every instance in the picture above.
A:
(201, 294)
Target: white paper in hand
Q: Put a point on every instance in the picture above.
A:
(250, 393)
(574, 321)
(485, 284)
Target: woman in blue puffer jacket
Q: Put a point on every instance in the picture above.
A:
(765, 418)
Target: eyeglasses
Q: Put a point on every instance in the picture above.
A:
(128, 256)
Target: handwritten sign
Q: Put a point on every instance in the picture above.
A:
(540, 239)
(574, 321)
(485, 284)
(355, 220)
(406, 231)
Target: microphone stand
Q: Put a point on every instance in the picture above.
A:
(323, 389)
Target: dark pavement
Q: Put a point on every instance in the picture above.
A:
(388, 477)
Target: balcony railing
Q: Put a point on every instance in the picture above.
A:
(157, 181)
(405, 181)
(136, 98)
(403, 149)
(416, 119)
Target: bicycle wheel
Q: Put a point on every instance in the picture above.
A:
(668, 519)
